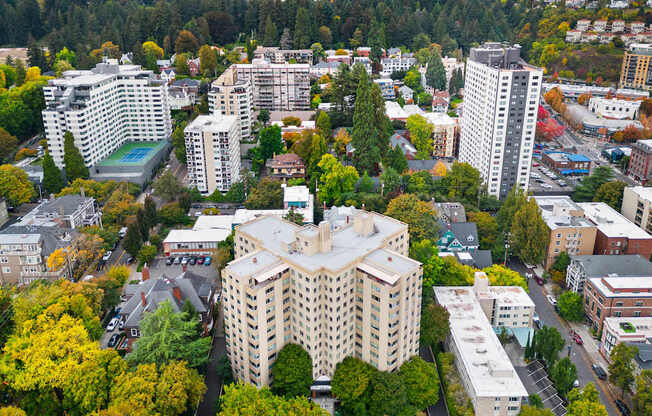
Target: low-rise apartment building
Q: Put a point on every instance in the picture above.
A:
(213, 152)
(299, 200)
(628, 330)
(67, 211)
(569, 232)
(617, 296)
(640, 163)
(276, 55)
(487, 374)
(233, 96)
(637, 206)
(277, 86)
(386, 86)
(343, 288)
(616, 234)
(584, 267)
(445, 134)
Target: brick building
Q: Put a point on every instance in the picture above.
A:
(640, 163)
(617, 296)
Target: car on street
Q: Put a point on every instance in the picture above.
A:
(177, 260)
(112, 324)
(200, 260)
(536, 165)
(539, 280)
(107, 255)
(551, 299)
(218, 297)
(185, 260)
(576, 383)
(624, 410)
(130, 260)
(114, 340)
(599, 371)
(121, 325)
(207, 261)
(169, 261)
(192, 260)
(578, 339)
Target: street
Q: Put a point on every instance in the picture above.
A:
(578, 355)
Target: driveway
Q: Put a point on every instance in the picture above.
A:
(439, 408)
(212, 380)
(578, 355)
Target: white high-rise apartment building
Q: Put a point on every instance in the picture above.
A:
(103, 108)
(213, 152)
(277, 87)
(232, 96)
(343, 288)
(501, 98)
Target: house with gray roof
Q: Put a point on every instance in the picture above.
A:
(450, 212)
(68, 211)
(586, 267)
(146, 296)
(460, 236)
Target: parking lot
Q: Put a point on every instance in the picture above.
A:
(544, 180)
(536, 381)
(158, 268)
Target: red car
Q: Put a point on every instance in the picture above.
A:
(578, 339)
(536, 165)
(539, 280)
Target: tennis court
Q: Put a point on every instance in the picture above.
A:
(135, 155)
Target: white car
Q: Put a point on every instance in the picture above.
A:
(552, 300)
(111, 326)
(107, 255)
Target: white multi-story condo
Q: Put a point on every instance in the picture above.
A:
(277, 86)
(232, 96)
(104, 107)
(213, 152)
(343, 288)
(501, 95)
(487, 374)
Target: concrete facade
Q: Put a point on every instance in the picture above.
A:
(637, 206)
(233, 97)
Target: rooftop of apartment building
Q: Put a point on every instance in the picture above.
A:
(626, 287)
(641, 48)
(296, 193)
(561, 212)
(630, 327)
(612, 266)
(510, 295)
(51, 237)
(214, 123)
(610, 222)
(360, 236)
(643, 192)
(45, 212)
(101, 72)
(262, 63)
(645, 145)
(501, 55)
(488, 367)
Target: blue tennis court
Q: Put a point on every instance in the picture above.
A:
(136, 155)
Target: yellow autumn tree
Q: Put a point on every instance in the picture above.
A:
(12, 411)
(342, 138)
(151, 48)
(33, 74)
(58, 258)
(440, 169)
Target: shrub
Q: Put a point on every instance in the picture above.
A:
(25, 152)
(456, 398)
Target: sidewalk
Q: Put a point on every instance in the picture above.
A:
(591, 345)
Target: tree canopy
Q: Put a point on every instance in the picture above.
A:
(292, 372)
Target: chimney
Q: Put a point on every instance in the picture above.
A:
(145, 273)
(176, 292)
(143, 299)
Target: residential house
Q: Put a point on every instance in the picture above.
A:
(600, 25)
(151, 293)
(324, 68)
(407, 93)
(394, 111)
(364, 61)
(193, 67)
(406, 146)
(168, 75)
(478, 259)
(586, 267)
(300, 200)
(286, 166)
(68, 211)
(458, 236)
(635, 332)
(439, 105)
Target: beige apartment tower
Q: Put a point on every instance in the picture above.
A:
(343, 288)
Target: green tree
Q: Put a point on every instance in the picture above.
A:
(52, 178)
(351, 380)
(391, 180)
(323, 125)
(621, 369)
(435, 73)
(515, 199)
(165, 337)
(611, 193)
(207, 60)
(271, 142)
(434, 325)
(464, 183)
(336, 180)
(563, 375)
(186, 42)
(72, 159)
(420, 216)
(292, 372)
(66, 55)
(167, 186)
(561, 262)
(132, 240)
(21, 72)
(268, 194)
(8, 143)
(571, 306)
(294, 216)
(248, 400)
(529, 233)
(642, 399)
(302, 29)
(528, 410)
(15, 186)
(421, 135)
(149, 206)
(487, 228)
(397, 160)
(548, 343)
(143, 224)
(270, 37)
(146, 253)
(263, 116)
(366, 184)
(317, 149)
(388, 396)
(585, 402)
(425, 251)
(587, 189)
(499, 275)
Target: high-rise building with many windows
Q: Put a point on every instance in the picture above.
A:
(234, 97)
(103, 108)
(343, 288)
(501, 98)
(213, 152)
(636, 71)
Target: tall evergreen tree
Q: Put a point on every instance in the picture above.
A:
(376, 41)
(20, 72)
(132, 240)
(36, 57)
(302, 29)
(270, 37)
(149, 206)
(381, 121)
(72, 159)
(52, 178)
(286, 39)
(364, 137)
(397, 160)
(436, 74)
(143, 224)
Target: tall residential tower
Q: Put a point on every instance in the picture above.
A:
(501, 97)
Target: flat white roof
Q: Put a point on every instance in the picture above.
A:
(212, 222)
(212, 122)
(643, 285)
(296, 193)
(440, 119)
(485, 361)
(611, 223)
(20, 238)
(393, 110)
(642, 326)
(196, 236)
(643, 192)
(511, 295)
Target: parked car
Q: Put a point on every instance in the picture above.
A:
(169, 261)
(200, 260)
(207, 261)
(624, 410)
(192, 260)
(112, 324)
(121, 325)
(107, 255)
(539, 280)
(130, 260)
(177, 260)
(576, 383)
(185, 260)
(599, 371)
(114, 340)
(578, 339)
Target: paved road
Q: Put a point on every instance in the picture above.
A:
(212, 380)
(579, 357)
(439, 408)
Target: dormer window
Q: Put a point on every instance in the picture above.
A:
(470, 238)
